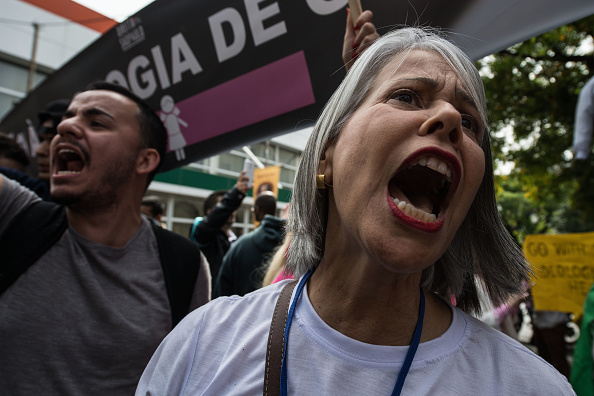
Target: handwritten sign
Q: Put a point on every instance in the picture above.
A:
(564, 270)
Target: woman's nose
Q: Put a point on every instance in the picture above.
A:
(445, 121)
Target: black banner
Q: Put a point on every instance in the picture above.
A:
(227, 73)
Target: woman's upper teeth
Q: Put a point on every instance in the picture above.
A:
(435, 164)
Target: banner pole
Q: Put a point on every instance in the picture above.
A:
(356, 9)
(253, 157)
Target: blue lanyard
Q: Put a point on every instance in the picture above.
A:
(410, 355)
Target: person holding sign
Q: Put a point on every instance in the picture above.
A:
(213, 233)
(393, 211)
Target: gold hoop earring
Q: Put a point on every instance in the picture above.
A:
(320, 184)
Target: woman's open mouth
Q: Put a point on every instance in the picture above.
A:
(420, 188)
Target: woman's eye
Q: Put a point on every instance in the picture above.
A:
(404, 97)
(467, 123)
(470, 124)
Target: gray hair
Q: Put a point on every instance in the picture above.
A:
(481, 247)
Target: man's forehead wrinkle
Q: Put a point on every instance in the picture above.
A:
(96, 111)
(88, 111)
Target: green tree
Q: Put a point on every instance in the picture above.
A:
(532, 90)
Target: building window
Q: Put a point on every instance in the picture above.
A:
(231, 162)
(13, 85)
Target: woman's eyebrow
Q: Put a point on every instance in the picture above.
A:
(429, 82)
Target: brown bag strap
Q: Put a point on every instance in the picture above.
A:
(276, 341)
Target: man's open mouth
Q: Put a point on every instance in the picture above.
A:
(420, 189)
(69, 161)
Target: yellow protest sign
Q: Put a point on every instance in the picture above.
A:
(265, 179)
(564, 270)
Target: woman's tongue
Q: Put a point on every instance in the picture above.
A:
(420, 201)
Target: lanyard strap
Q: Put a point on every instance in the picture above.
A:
(412, 350)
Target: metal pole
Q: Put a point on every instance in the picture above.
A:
(249, 152)
(32, 66)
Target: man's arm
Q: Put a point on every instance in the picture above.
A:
(39, 187)
(13, 199)
(219, 215)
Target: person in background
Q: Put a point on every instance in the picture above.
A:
(357, 37)
(393, 211)
(213, 232)
(550, 328)
(582, 370)
(12, 155)
(584, 121)
(89, 311)
(49, 119)
(152, 208)
(239, 273)
(275, 269)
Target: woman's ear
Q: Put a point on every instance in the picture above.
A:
(325, 165)
(147, 161)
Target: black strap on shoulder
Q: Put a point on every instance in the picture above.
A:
(179, 257)
(31, 233)
(276, 341)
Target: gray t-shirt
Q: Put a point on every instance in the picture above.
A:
(85, 318)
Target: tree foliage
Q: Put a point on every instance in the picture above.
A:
(532, 90)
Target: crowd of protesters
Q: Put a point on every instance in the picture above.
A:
(93, 287)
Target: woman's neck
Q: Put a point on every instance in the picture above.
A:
(366, 302)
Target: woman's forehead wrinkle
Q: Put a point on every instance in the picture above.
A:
(465, 96)
(427, 81)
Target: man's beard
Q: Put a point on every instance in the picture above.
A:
(106, 193)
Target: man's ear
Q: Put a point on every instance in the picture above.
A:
(147, 161)
(325, 166)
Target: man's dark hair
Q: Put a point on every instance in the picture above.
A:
(266, 203)
(212, 200)
(153, 202)
(152, 131)
(9, 148)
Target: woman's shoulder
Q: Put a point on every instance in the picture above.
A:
(225, 321)
(496, 352)
(225, 311)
